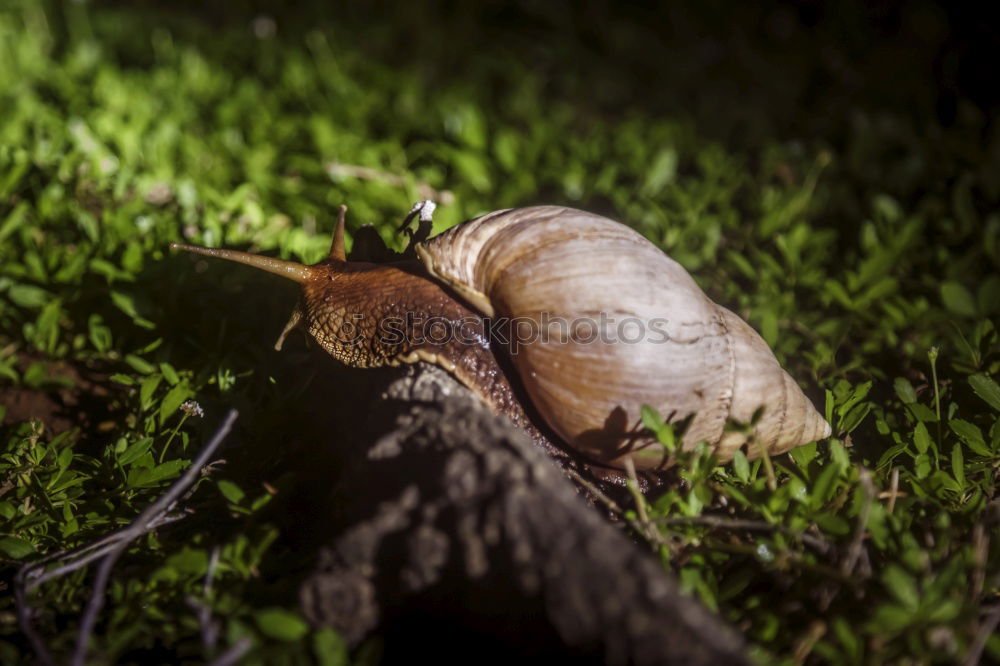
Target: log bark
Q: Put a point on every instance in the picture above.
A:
(469, 542)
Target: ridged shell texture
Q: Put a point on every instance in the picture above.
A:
(613, 323)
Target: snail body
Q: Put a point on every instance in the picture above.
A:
(599, 322)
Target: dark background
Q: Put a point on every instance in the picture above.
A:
(714, 60)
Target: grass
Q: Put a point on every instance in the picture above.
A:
(863, 245)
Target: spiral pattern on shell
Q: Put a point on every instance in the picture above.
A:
(560, 270)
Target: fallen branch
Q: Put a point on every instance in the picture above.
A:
(452, 526)
(87, 554)
(109, 548)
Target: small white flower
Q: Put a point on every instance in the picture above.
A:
(192, 408)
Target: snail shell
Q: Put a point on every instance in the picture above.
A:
(555, 272)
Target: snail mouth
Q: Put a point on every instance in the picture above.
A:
(288, 269)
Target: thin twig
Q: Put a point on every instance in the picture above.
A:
(637, 496)
(805, 644)
(33, 571)
(791, 555)
(24, 613)
(611, 505)
(765, 457)
(986, 629)
(722, 522)
(893, 489)
(595, 491)
(209, 627)
(854, 550)
(980, 553)
(92, 552)
(139, 527)
(234, 653)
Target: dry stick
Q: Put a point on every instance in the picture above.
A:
(980, 553)
(595, 491)
(24, 621)
(854, 550)
(639, 528)
(987, 627)
(209, 628)
(33, 572)
(234, 653)
(139, 527)
(722, 522)
(91, 552)
(805, 644)
(893, 489)
(765, 457)
(27, 579)
(648, 529)
(637, 497)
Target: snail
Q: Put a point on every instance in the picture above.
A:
(592, 318)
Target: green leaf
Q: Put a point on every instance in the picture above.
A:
(662, 171)
(16, 218)
(848, 637)
(28, 296)
(854, 417)
(650, 418)
(971, 435)
(922, 412)
(280, 624)
(904, 389)
(140, 364)
(135, 451)
(190, 561)
(805, 454)
(891, 618)
(330, 649)
(231, 491)
(122, 379)
(126, 304)
(987, 389)
(823, 486)
(921, 438)
(174, 398)
(100, 335)
(16, 547)
(47, 327)
(143, 476)
(902, 585)
(958, 299)
(833, 524)
(839, 455)
(741, 466)
(169, 373)
(146, 389)
(922, 465)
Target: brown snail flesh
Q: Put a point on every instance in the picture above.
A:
(600, 323)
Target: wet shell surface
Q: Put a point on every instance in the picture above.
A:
(607, 323)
